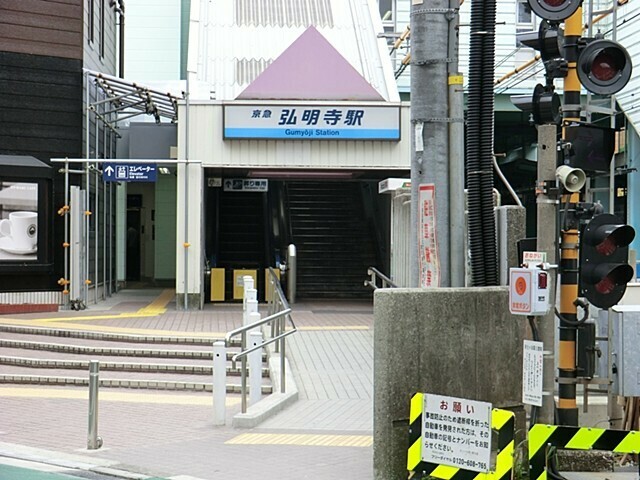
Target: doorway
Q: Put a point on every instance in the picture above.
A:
(134, 203)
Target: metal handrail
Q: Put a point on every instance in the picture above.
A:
(278, 334)
(375, 275)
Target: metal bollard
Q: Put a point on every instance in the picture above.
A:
(292, 273)
(255, 368)
(93, 440)
(219, 382)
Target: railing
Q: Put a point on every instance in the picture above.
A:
(378, 275)
(279, 314)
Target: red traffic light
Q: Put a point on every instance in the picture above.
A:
(554, 10)
(604, 250)
(604, 67)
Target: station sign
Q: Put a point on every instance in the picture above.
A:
(312, 122)
(129, 172)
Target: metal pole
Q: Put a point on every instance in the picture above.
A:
(219, 382)
(93, 440)
(430, 118)
(186, 198)
(283, 383)
(567, 373)
(292, 267)
(243, 374)
(67, 237)
(614, 409)
(104, 219)
(96, 243)
(85, 246)
(547, 239)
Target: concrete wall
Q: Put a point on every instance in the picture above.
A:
(447, 341)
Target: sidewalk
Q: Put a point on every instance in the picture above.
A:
(325, 435)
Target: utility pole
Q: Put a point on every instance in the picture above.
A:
(457, 230)
(547, 238)
(430, 240)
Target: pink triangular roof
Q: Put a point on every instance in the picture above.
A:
(310, 69)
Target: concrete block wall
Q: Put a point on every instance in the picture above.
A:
(448, 341)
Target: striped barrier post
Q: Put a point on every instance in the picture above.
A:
(542, 436)
(502, 422)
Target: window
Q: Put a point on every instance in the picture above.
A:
(102, 21)
(524, 20)
(386, 10)
(91, 14)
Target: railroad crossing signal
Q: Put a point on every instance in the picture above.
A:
(554, 10)
(604, 255)
(604, 67)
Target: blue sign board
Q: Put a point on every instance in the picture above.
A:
(129, 172)
(312, 122)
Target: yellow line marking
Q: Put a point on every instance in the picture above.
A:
(111, 329)
(123, 397)
(302, 440)
(86, 317)
(344, 327)
(159, 305)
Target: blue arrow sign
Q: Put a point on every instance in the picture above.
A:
(129, 172)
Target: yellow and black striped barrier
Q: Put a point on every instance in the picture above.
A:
(502, 422)
(542, 436)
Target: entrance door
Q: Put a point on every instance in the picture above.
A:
(133, 244)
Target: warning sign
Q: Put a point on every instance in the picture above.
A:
(532, 360)
(456, 432)
(428, 261)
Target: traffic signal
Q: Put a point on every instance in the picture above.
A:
(604, 251)
(604, 66)
(554, 10)
(543, 105)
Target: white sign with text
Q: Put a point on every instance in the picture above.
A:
(456, 432)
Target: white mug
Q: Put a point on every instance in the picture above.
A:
(22, 228)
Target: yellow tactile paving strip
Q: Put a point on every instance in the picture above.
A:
(302, 439)
(159, 305)
(106, 396)
(155, 308)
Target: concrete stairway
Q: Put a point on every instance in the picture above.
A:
(47, 356)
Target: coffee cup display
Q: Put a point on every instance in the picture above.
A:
(21, 229)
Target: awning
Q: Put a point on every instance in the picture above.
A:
(129, 99)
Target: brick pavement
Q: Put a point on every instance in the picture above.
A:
(330, 357)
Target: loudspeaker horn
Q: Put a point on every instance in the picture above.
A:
(572, 179)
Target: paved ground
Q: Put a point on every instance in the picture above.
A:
(325, 435)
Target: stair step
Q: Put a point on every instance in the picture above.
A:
(118, 366)
(109, 337)
(113, 383)
(111, 351)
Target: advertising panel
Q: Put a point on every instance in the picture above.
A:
(18, 221)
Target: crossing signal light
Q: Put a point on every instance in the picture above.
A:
(604, 67)
(554, 10)
(548, 40)
(604, 252)
(543, 105)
